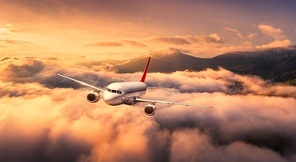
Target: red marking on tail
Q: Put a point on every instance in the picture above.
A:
(145, 71)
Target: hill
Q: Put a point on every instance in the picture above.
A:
(277, 64)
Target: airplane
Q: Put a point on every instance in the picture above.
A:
(128, 93)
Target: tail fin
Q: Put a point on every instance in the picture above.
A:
(145, 70)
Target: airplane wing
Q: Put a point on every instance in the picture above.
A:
(80, 82)
(170, 103)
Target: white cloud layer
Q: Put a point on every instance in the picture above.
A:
(42, 119)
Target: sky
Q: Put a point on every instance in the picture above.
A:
(127, 29)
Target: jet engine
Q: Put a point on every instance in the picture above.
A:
(149, 109)
(93, 97)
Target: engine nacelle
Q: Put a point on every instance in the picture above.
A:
(129, 100)
(93, 97)
(149, 109)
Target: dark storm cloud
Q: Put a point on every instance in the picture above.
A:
(250, 121)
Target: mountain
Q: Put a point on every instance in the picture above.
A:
(170, 60)
(277, 64)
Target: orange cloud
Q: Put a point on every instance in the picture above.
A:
(237, 32)
(270, 31)
(277, 34)
(7, 43)
(105, 44)
(117, 44)
(43, 119)
(134, 43)
(173, 40)
(276, 43)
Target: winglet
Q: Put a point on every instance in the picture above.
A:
(57, 73)
(145, 70)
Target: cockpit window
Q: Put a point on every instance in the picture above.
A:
(113, 91)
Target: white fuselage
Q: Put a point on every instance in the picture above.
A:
(123, 92)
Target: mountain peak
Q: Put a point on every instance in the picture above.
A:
(165, 52)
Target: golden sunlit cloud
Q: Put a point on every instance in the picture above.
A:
(74, 28)
(276, 43)
(105, 44)
(42, 117)
(173, 40)
(277, 34)
(237, 32)
(270, 31)
(117, 44)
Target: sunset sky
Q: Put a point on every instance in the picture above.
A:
(125, 29)
(44, 117)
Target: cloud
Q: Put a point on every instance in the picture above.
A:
(237, 32)
(173, 40)
(277, 34)
(9, 28)
(135, 43)
(28, 70)
(198, 147)
(190, 39)
(276, 43)
(194, 44)
(117, 44)
(9, 42)
(105, 44)
(218, 81)
(252, 35)
(214, 37)
(43, 120)
(22, 70)
(202, 46)
(6, 32)
(206, 40)
(270, 31)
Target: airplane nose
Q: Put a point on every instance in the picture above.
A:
(106, 98)
(111, 99)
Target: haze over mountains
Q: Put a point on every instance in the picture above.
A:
(276, 64)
